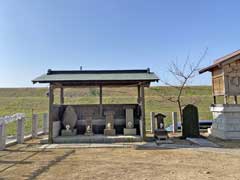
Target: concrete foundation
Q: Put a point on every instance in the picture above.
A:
(226, 121)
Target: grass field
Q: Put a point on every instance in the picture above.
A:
(34, 100)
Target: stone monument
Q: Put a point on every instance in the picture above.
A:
(129, 130)
(160, 132)
(190, 127)
(109, 129)
(69, 122)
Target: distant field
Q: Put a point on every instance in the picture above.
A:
(28, 100)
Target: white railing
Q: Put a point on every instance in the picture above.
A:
(20, 119)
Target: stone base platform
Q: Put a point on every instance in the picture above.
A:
(226, 123)
(96, 139)
(128, 131)
(109, 132)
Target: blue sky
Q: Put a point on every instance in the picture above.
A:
(112, 34)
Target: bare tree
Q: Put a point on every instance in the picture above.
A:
(183, 75)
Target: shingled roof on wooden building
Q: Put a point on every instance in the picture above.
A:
(97, 76)
(223, 60)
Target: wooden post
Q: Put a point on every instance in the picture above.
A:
(100, 101)
(225, 100)
(61, 95)
(235, 100)
(34, 125)
(142, 119)
(214, 100)
(153, 124)
(174, 122)
(138, 91)
(45, 123)
(20, 130)
(50, 131)
(2, 135)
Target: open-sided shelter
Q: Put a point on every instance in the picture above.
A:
(98, 78)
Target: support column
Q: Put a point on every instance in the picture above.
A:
(138, 94)
(142, 119)
(100, 101)
(235, 100)
(214, 100)
(20, 130)
(61, 95)
(2, 136)
(225, 99)
(153, 124)
(34, 125)
(45, 123)
(50, 131)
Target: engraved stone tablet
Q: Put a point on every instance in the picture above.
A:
(70, 117)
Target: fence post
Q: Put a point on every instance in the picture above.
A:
(152, 120)
(2, 136)
(20, 130)
(45, 123)
(34, 125)
(174, 122)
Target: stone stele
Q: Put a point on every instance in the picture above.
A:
(70, 117)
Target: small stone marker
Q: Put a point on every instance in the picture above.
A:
(190, 121)
(2, 136)
(160, 133)
(45, 123)
(129, 130)
(109, 130)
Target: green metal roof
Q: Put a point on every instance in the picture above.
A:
(97, 75)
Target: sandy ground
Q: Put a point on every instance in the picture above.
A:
(28, 161)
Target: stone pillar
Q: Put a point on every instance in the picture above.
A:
(153, 123)
(226, 121)
(2, 136)
(34, 125)
(45, 123)
(174, 122)
(129, 130)
(109, 129)
(20, 130)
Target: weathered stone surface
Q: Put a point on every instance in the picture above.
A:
(65, 132)
(129, 118)
(70, 117)
(128, 131)
(226, 123)
(109, 132)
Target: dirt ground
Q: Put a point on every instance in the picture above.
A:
(28, 161)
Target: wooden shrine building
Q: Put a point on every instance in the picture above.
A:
(225, 76)
(97, 113)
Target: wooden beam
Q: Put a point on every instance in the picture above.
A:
(235, 100)
(61, 95)
(100, 101)
(51, 99)
(142, 105)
